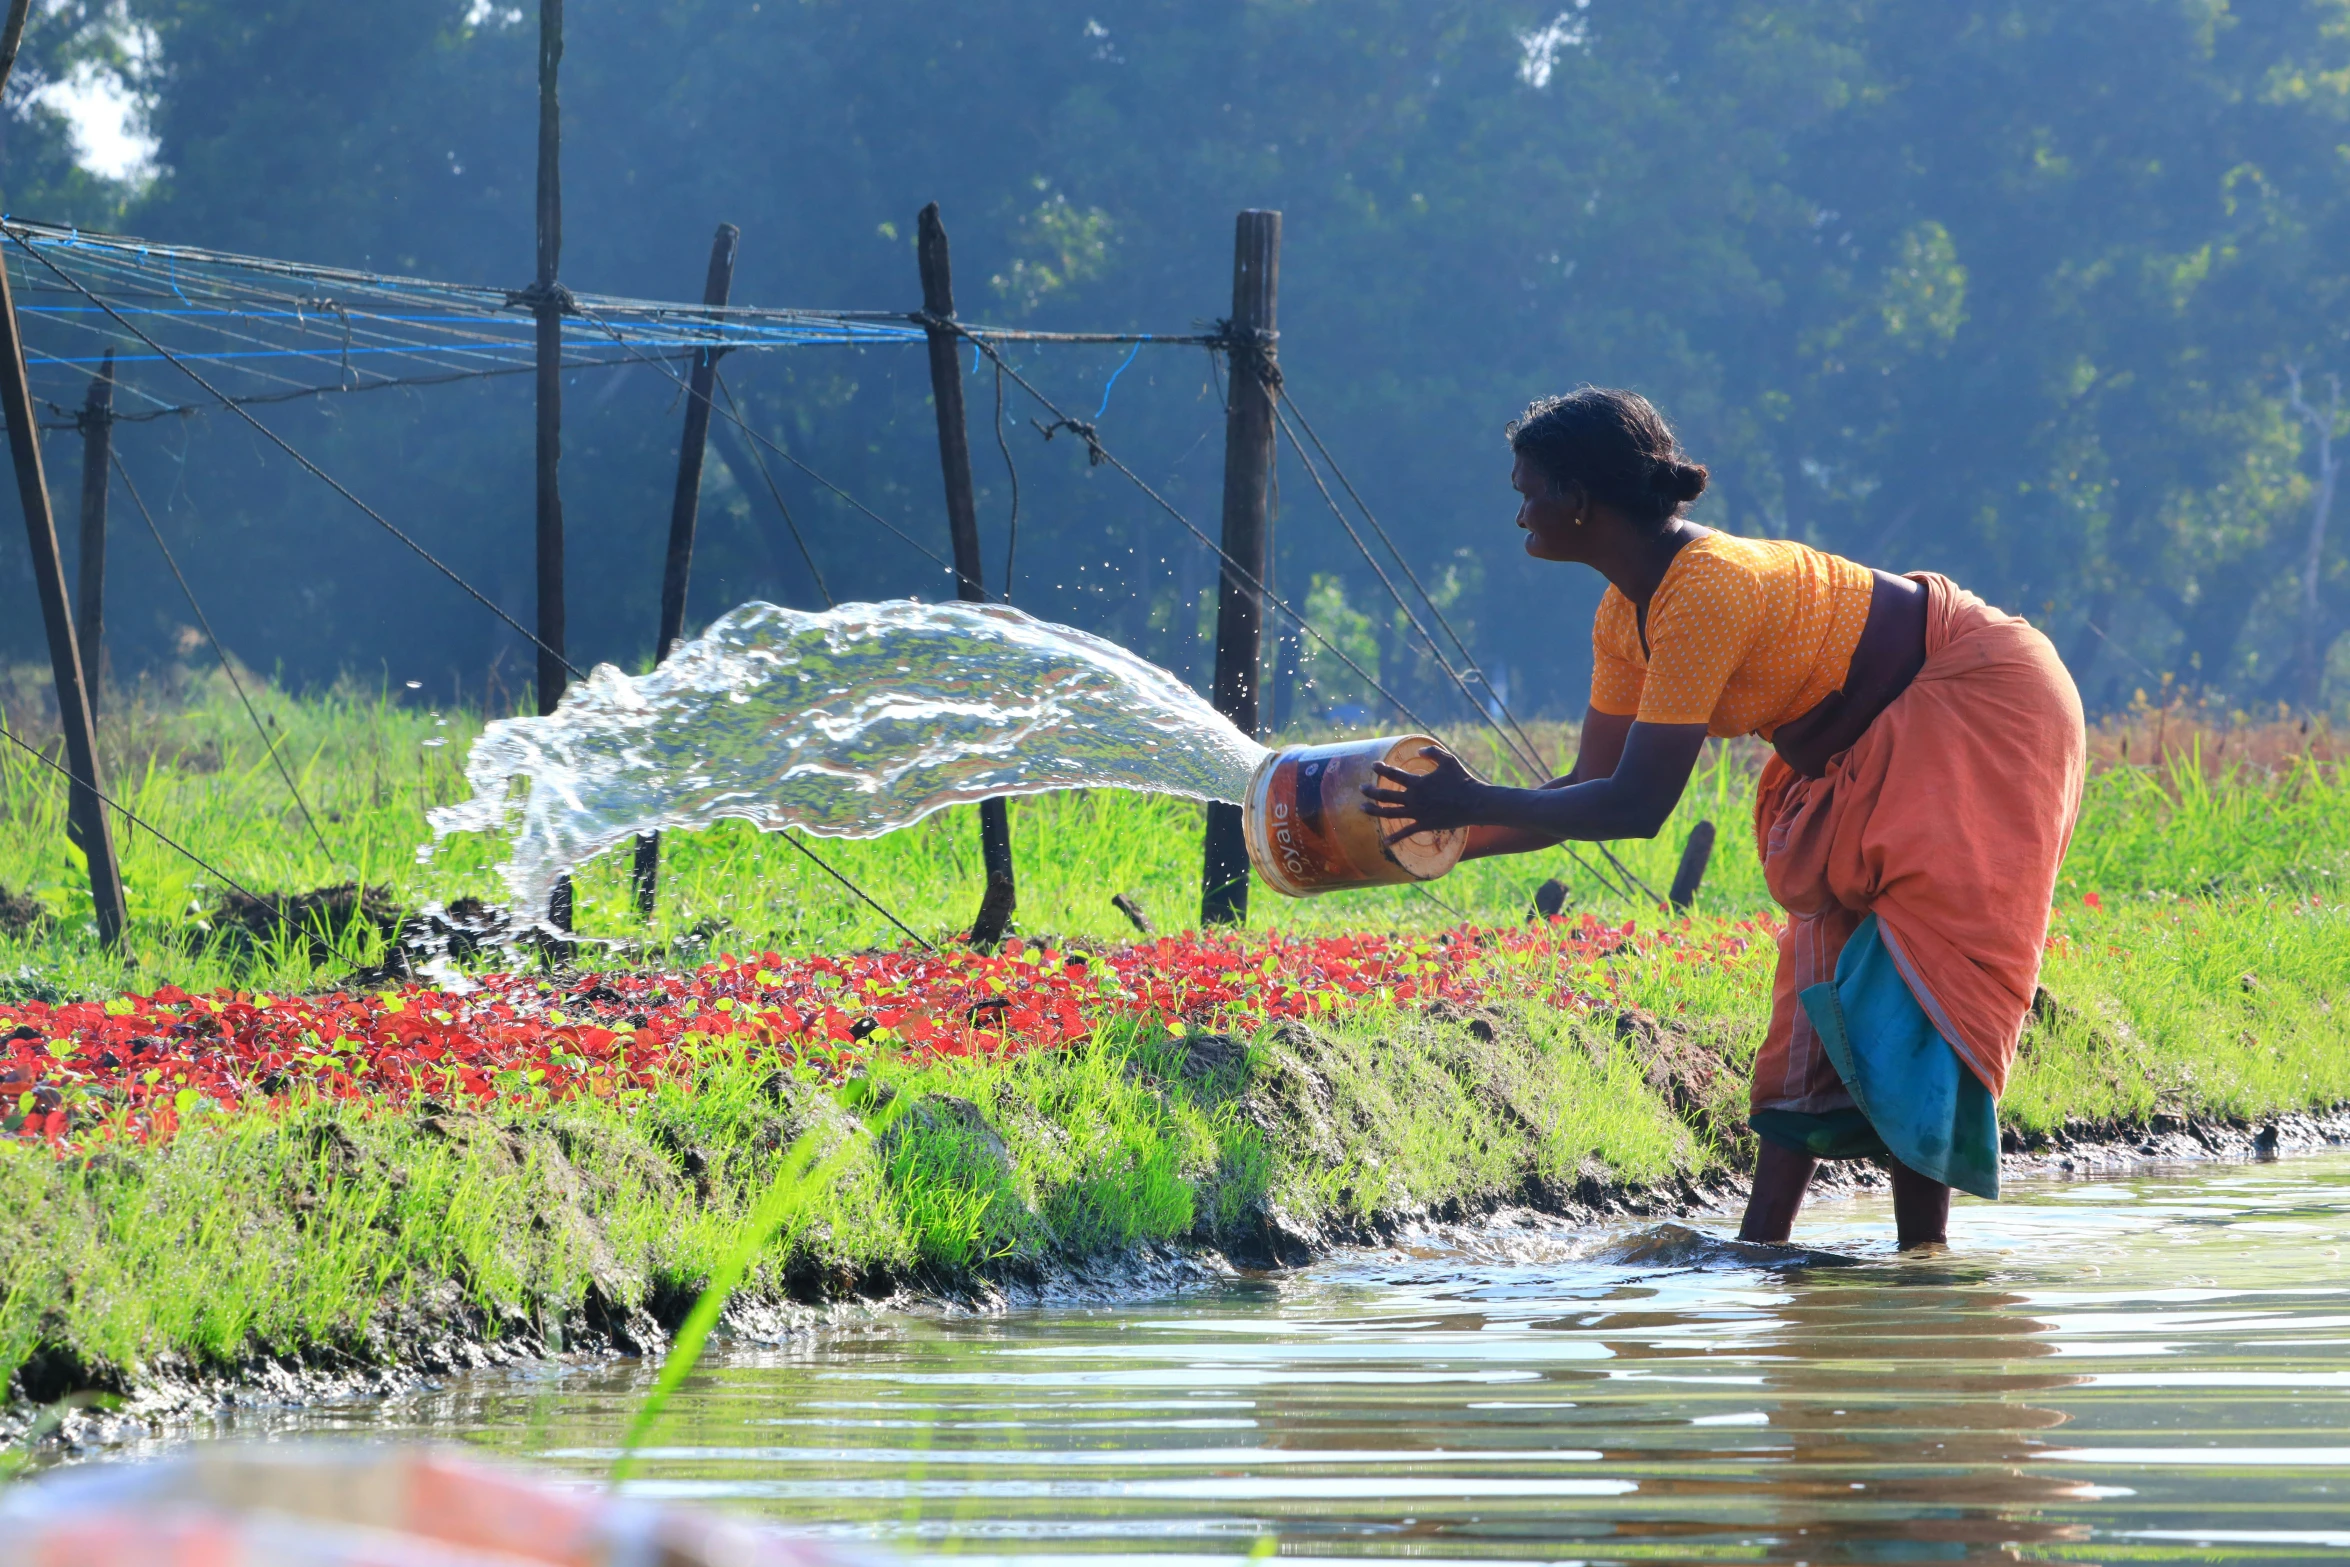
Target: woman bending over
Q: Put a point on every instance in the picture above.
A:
(1928, 768)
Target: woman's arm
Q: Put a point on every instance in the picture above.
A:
(1649, 771)
(1598, 748)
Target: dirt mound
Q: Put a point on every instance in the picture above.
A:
(325, 917)
(320, 918)
(21, 914)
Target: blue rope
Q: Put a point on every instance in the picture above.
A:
(1113, 380)
(663, 338)
(278, 353)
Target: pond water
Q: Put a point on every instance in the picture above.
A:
(2146, 1367)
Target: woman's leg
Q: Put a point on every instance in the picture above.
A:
(1781, 1176)
(1921, 1208)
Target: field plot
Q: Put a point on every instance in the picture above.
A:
(241, 1138)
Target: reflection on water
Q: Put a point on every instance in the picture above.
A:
(2150, 1368)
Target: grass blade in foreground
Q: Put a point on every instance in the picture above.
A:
(787, 1201)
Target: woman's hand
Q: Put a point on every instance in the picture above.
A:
(1447, 797)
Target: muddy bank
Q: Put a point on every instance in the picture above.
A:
(173, 1395)
(1133, 1167)
(2087, 1148)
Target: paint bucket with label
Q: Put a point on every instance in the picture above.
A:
(1307, 831)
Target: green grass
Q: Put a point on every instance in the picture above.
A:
(328, 1227)
(2210, 982)
(369, 766)
(2190, 1006)
(2176, 828)
(323, 1226)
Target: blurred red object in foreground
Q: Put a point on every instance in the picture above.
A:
(361, 1506)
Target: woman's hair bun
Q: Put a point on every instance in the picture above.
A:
(1678, 482)
(1615, 447)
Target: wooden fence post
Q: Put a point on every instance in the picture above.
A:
(1696, 854)
(1248, 470)
(684, 512)
(97, 428)
(86, 811)
(954, 460)
(88, 814)
(547, 307)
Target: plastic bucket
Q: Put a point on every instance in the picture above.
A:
(1307, 831)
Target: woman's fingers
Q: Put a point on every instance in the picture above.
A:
(1387, 804)
(1409, 798)
(1448, 767)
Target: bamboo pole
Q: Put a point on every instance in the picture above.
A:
(1248, 471)
(685, 510)
(954, 460)
(84, 809)
(547, 306)
(97, 429)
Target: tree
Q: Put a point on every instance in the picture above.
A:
(2000, 289)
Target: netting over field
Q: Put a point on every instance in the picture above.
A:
(265, 330)
(123, 330)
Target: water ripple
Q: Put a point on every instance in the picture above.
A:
(2053, 1387)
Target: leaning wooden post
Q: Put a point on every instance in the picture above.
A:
(954, 460)
(84, 808)
(685, 510)
(1240, 605)
(546, 299)
(97, 426)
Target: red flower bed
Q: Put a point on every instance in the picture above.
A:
(145, 1064)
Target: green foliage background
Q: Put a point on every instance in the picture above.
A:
(1999, 289)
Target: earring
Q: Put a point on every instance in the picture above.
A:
(1578, 519)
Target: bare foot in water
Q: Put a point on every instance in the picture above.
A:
(1781, 1177)
(1921, 1204)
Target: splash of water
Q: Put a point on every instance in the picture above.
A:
(850, 724)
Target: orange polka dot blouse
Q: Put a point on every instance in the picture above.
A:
(1743, 635)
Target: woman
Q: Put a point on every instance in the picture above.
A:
(1928, 769)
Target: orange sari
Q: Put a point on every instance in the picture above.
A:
(1947, 819)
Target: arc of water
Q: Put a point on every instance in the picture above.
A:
(848, 723)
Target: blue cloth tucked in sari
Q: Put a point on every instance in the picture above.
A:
(1916, 1101)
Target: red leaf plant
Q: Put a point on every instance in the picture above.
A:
(143, 1065)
